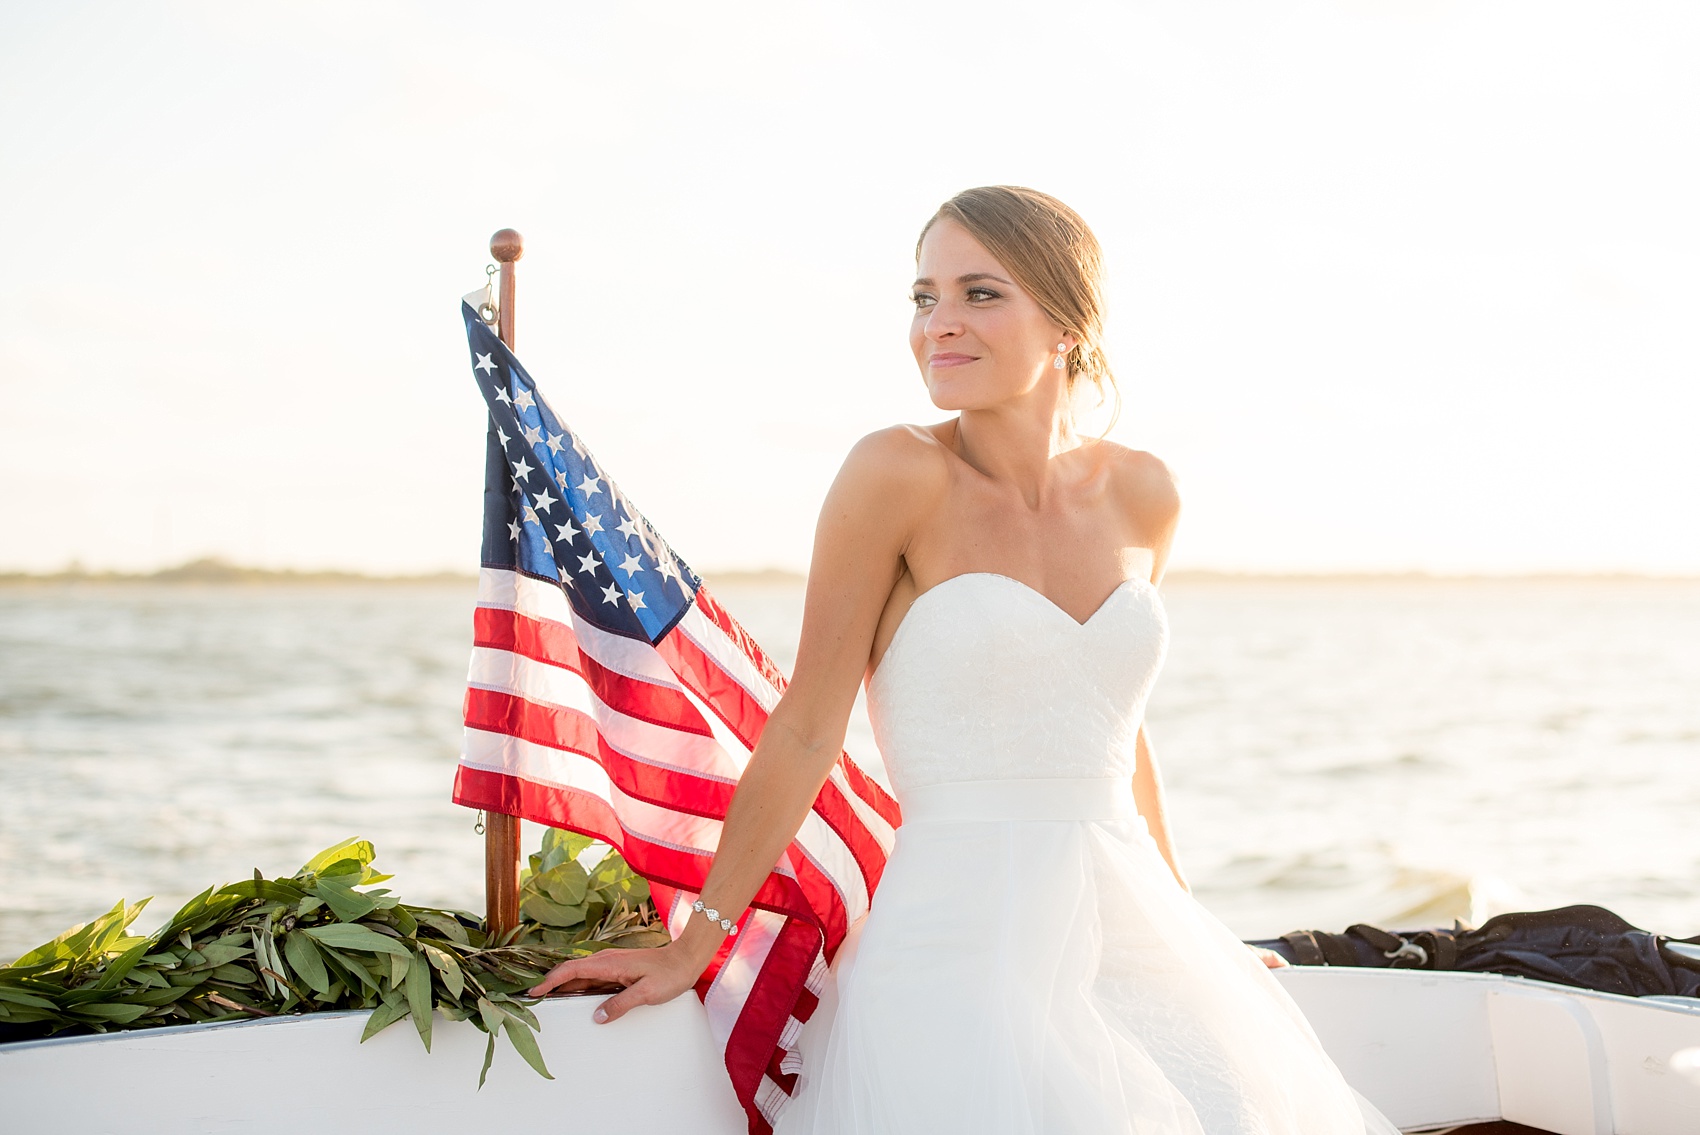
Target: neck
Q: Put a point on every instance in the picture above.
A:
(1016, 442)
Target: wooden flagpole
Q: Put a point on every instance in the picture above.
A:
(501, 832)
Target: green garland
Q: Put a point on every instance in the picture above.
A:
(316, 942)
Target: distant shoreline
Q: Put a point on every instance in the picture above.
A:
(221, 573)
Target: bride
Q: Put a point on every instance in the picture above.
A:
(1033, 961)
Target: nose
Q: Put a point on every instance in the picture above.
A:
(942, 322)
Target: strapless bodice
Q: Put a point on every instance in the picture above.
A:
(986, 679)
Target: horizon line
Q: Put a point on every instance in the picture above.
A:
(215, 570)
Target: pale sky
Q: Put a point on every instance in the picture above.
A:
(1396, 285)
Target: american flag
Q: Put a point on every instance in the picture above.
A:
(609, 693)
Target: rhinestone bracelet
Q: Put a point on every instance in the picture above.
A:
(725, 924)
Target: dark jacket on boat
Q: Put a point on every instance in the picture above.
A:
(1584, 946)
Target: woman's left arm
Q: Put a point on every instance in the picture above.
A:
(1148, 795)
(1152, 497)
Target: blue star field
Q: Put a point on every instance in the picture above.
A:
(551, 513)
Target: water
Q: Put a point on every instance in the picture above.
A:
(1333, 752)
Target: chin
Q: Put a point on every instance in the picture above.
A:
(954, 395)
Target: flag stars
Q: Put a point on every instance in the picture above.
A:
(502, 396)
(590, 486)
(635, 598)
(587, 565)
(484, 365)
(513, 530)
(521, 470)
(532, 434)
(561, 479)
(611, 593)
(664, 567)
(523, 400)
(555, 443)
(530, 517)
(544, 501)
(592, 524)
(566, 531)
(628, 526)
(502, 437)
(631, 566)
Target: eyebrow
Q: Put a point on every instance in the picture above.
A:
(925, 281)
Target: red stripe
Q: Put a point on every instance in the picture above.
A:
(719, 691)
(581, 811)
(557, 645)
(860, 782)
(754, 1041)
(557, 727)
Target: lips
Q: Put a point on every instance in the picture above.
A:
(948, 359)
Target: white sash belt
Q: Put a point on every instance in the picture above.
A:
(1057, 798)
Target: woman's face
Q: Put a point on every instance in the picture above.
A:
(978, 338)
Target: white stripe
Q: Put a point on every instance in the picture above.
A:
(770, 1099)
(713, 641)
(509, 591)
(884, 834)
(553, 686)
(737, 975)
(557, 768)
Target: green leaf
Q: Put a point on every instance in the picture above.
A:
(304, 959)
(444, 924)
(235, 975)
(359, 850)
(491, 1016)
(541, 909)
(352, 968)
(565, 884)
(19, 997)
(453, 980)
(489, 1055)
(338, 893)
(122, 1014)
(120, 967)
(386, 1014)
(268, 890)
(219, 953)
(419, 999)
(349, 936)
(525, 1043)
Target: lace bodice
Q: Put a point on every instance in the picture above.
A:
(986, 679)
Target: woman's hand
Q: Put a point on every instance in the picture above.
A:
(1270, 958)
(650, 977)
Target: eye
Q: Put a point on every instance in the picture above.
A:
(922, 299)
(980, 294)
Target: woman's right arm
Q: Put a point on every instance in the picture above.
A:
(881, 495)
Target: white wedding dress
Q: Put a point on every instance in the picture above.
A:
(1029, 964)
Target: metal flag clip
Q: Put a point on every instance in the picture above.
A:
(483, 301)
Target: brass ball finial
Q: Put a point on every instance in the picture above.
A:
(507, 246)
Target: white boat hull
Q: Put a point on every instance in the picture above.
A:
(1430, 1049)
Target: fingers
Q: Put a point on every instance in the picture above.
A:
(595, 967)
(621, 1003)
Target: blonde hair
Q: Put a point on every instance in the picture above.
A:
(1054, 257)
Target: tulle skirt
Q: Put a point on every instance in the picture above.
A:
(1030, 966)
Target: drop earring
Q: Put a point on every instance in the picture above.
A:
(1058, 363)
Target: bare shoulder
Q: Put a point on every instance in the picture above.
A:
(889, 482)
(904, 459)
(1143, 484)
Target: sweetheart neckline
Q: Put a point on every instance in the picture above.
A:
(1027, 587)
